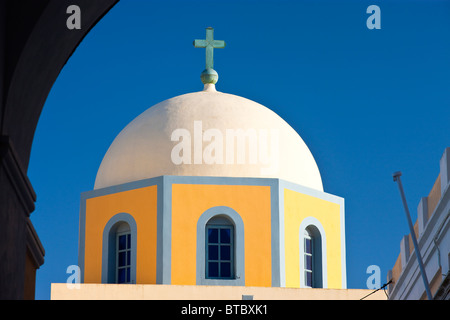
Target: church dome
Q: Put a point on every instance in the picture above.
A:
(208, 133)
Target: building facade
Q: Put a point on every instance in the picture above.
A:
(188, 230)
(244, 220)
(209, 190)
(433, 237)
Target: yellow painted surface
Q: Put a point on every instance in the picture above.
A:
(299, 206)
(434, 196)
(253, 205)
(141, 204)
(60, 291)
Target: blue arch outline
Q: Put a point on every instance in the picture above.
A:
(236, 219)
(307, 222)
(108, 276)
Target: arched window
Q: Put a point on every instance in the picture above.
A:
(119, 250)
(308, 252)
(220, 248)
(220, 255)
(312, 253)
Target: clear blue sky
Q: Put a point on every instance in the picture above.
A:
(366, 102)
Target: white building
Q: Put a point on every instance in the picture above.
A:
(433, 237)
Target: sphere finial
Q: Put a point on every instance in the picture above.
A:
(209, 76)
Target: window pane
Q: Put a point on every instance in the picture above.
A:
(122, 259)
(308, 246)
(219, 255)
(213, 252)
(213, 269)
(122, 242)
(128, 275)
(128, 258)
(121, 276)
(213, 235)
(308, 262)
(225, 235)
(128, 241)
(225, 252)
(225, 269)
(308, 278)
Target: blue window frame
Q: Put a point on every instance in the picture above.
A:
(219, 252)
(312, 252)
(119, 225)
(309, 262)
(123, 257)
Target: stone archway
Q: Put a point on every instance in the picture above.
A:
(35, 44)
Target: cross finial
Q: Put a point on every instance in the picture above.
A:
(209, 75)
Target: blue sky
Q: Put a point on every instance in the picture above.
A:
(366, 102)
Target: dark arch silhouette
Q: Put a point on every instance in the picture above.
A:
(35, 44)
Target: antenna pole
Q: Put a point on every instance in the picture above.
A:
(396, 177)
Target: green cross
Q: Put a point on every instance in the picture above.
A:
(210, 44)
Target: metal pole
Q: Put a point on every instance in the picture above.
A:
(396, 176)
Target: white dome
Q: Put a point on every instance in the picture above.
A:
(157, 143)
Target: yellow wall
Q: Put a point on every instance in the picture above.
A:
(297, 207)
(253, 205)
(141, 204)
(189, 202)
